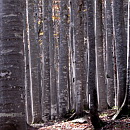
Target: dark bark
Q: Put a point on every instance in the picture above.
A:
(12, 103)
(120, 43)
(93, 105)
(79, 54)
(125, 105)
(101, 86)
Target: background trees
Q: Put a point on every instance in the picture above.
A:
(75, 56)
(68, 33)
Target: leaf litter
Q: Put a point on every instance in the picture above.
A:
(85, 123)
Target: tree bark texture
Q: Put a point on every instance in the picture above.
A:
(63, 59)
(27, 74)
(33, 63)
(12, 101)
(46, 105)
(93, 105)
(101, 86)
(109, 54)
(53, 86)
(120, 41)
(79, 54)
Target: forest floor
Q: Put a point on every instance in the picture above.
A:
(85, 123)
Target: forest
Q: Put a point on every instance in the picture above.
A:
(62, 60)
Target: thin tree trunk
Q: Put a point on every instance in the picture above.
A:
(46, 105)
(27, 74)
(72, 58)
(53, 86)
(128, 54)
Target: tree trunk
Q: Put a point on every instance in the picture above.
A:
(12, 103)
(53, 86)
(33, 63)
(72, 64)
(79, 54)
(101, 86)
(63, 59)
(128, 55)
(109, 54)
(93, 105)
(120, 42)
(27, 74)
(46, 105)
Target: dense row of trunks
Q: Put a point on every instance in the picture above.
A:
(72, 55)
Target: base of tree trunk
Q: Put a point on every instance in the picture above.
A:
(96, 121)
(123, 109)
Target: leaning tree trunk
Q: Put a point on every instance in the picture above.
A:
(101, 86)
(120, 42)
(12, 103)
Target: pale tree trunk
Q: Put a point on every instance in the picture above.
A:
(93, 105)
(120, 43)
(27, 74)
(86, 54)
(85, 65)
(33, 63)
(56, 16)
(63, 59)
(109, 54)
(101, 86)
(79, 54)
(46, 105)
(56, 21)
(128, 55)
(71, 48)
(12, 103)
